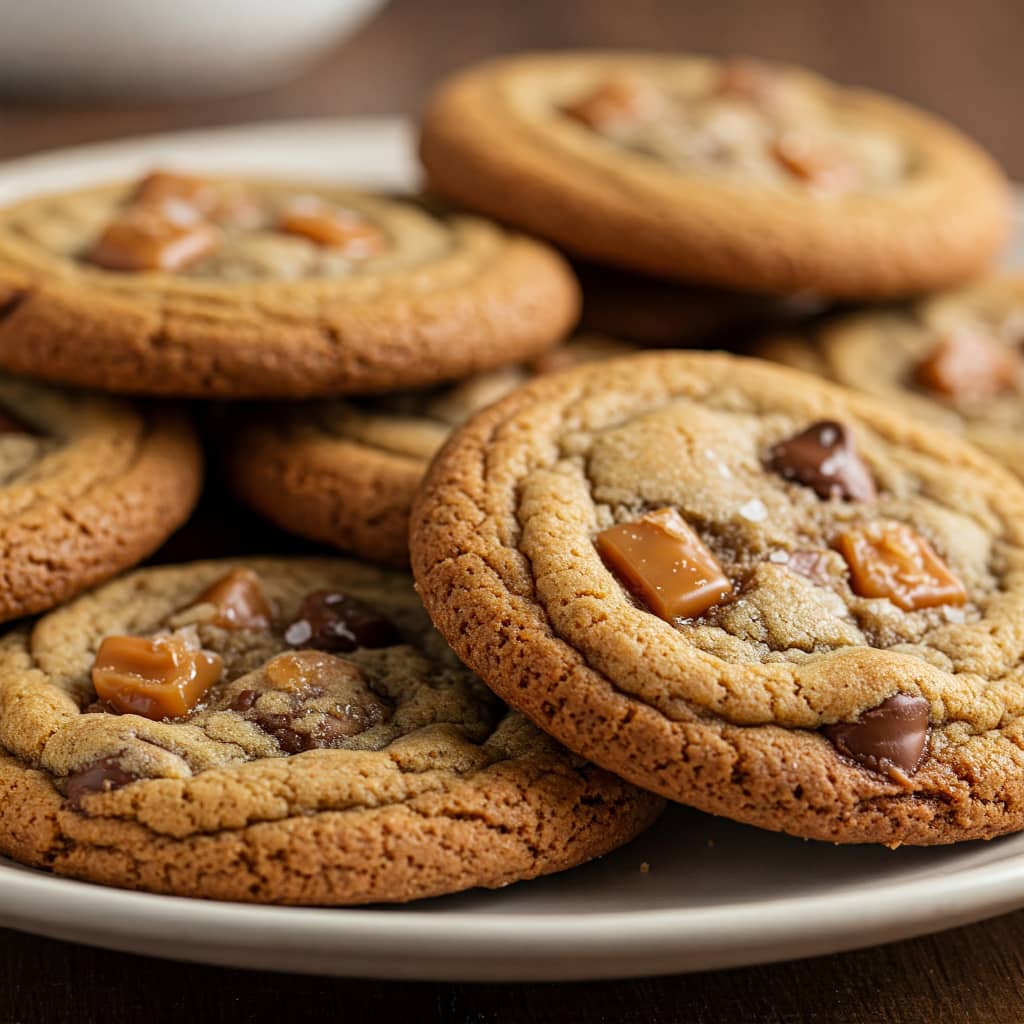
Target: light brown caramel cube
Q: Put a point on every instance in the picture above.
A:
(332, 228)
(666, 564)
(156, 678)
(168, 238)
(968, 364)
(161, 187)
(239, 600)
(815, 163)
(891, 560)
(617, 101)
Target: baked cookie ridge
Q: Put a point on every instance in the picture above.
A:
(745, 589)
(282, 731)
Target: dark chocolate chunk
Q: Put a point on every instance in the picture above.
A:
(329, 621)
(99, 777)
(893, 735)
(824, 458)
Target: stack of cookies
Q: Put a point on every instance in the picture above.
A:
(786, 594)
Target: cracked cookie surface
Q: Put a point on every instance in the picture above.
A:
(745, 589)
(89, 486)
(954, 360)
(342, 754)
(734, 173)
(345, 472)
(267, 290)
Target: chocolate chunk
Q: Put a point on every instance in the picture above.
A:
(888, 738)
(99, 777)
(311, 700)
(665, 563)
(244, 700)
(329, 621)
(824, 458)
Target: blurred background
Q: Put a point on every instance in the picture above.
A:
(956, 58)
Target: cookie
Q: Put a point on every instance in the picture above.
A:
(953, 360)
(345, 472)
(745, 589)
(654, 313)
(282, 731)
(89, 486)
(230, 288)
(732, 173)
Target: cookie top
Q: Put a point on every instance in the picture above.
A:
(89, 486)
(743, 588)
(223, 287)
(284, 731)
(954, 360)
(734, 173)
(345, 472)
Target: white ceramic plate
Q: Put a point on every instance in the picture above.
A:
(716, 894)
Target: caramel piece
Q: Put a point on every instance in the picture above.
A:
(101, 776)
(332, 228)
(222, 202)
(889, 738)
(824, 458)
(619, 100)
(747, 80)
(891, 560)
(331, 621)
(160, 187)
(816, 163)
(169, 237)
(157, 678)
(239, 600)
(967, 364)
(666, 563)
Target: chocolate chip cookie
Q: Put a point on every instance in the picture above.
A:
(345, 472)
(954, 360)
(743, 588)
(189, 286)
(285, 731)
(733, 173)
(89, 486)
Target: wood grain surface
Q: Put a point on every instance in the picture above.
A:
(961, 60)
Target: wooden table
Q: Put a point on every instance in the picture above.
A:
(960, 60)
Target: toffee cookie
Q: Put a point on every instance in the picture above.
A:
(955, 360)
(735, 173)
(227, 288)
(345, 472)
(89, 486)
(284, 731)
(745, 589)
